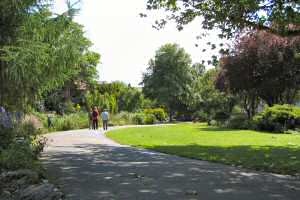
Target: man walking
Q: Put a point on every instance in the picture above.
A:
(105, 117)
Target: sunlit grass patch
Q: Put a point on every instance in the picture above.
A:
(279, 153)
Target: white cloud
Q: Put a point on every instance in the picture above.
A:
(126, 42)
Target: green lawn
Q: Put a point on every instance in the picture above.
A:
(279, 153)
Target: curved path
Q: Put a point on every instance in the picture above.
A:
(89, 166)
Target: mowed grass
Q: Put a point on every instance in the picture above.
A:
(278, 153)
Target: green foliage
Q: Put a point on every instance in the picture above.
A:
(149, 116)
(7, 136)
(278, 118)
(150, 119)
(75, 87)
(221, 116)
(103, 101)
(45, 53)
(26, 131)
(232, 16)
(17, 156)
(197, 70)
(139, 118)
(127, 98)
(239, 121)
(200, 116)
(209, 101)
(122, 118)
(130, 100)
(69, 107)
(149, 103)
(22, 148)
(70, 122)
(159, 113)
(88, 69)
(168, 78)
(213, 123)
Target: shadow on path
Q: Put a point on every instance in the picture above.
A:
(96, 171)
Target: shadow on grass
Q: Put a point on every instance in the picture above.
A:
(216, 129)
(263, 158)
(93, 172)
(220, 129)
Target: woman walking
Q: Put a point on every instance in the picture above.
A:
(95, 117)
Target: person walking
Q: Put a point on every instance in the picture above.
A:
(90, 118)
(105, 118)
(50, 120)
(95, 116)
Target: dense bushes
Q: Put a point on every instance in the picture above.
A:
(20, 146)
(80, 120)
(278, 118)
(66, 122)
(139, 118)
(150, 119)
(200, 116)
(17, 156)
(239, 121)
(221, 117)
(122, 118)
(159, 113)
(72, 121)
(148, 116)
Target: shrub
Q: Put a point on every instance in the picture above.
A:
(7, 136)
(239, 121)
(121, 118)
(23, 147)
(26, 131)
(200, 116)
(69, 107)
(278, 118)
(213, 123)
(68, 122)
(139, 118)
(221, 117)
(159, 113)
(291, 132)
(17, 156)
(150, 119)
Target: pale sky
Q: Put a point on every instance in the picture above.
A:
(127, 42)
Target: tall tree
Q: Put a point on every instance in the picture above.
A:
(281, 17)
(207, 98)
(263, 65)
(168, 78)
(45, 52)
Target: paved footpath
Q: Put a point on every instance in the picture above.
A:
(89, 166)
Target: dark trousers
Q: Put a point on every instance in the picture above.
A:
(105, 122)
(95, 124)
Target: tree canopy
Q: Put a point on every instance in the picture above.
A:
(207, 99)
(280, 17)
(38, 51)
(168, 78)
(263, 65)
